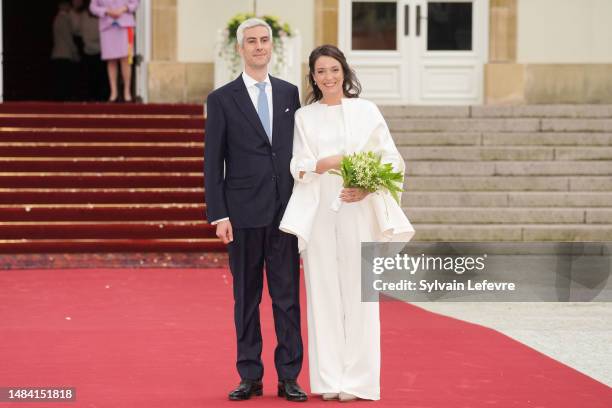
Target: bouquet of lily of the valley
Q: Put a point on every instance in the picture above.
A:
(366, 170)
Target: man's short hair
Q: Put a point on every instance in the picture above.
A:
(251, 22)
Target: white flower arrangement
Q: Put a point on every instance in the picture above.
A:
(366, 170)
(228, 50)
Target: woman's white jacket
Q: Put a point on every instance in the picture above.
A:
(366, 130)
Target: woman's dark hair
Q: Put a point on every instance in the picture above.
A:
(350, 86)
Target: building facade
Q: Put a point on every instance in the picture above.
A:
(417, 52)
(411, 51)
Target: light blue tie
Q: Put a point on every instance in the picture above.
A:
(263, 110)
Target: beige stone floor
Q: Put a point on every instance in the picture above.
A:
(576, 334)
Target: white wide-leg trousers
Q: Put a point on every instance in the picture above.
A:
(343, 332)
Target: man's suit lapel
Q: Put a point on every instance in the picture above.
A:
(243, 100)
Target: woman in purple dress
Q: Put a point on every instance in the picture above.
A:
(117, 24)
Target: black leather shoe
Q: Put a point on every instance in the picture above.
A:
(246, 389)
(291, 390)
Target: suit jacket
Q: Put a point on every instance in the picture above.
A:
(99, 7)
(245, 175)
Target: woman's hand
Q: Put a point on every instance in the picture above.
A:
(329, 163)
(352, 195)
(116, 13)
(113, 13)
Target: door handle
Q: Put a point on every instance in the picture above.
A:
(418, 21)
(406, 20)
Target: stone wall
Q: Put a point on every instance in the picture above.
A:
(171, 81)
(507, 80)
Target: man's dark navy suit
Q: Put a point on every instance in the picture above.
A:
(253, 191)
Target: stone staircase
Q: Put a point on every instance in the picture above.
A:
(524, 173)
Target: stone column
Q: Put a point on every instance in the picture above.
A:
(172, 81)
(504, 78)
(326, 32)
(164, 30)
(326, 22)
(164, 70)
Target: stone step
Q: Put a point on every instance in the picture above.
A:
(507, 168)
(506, 199)
(518, 173)
(543, 139)
(464, 125)
(514, 232)
(514, 153)
(590, 183)
(505, 215)
(501, 139)
(499, 125)
(508, 183)
(450, 153)
(435, 139)
(411, 111)
(542, 111)
(529, 111)
(550, 199)
(599, 215)
(437, 168)
(568, 233)
(583, 153)
(576, 125)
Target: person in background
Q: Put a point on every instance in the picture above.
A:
(95, 68)
(116, 26)
(77, 9)
(79, 80)
(64, 55)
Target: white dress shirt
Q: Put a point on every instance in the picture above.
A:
(253, 91)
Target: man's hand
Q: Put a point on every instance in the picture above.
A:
(225, 232)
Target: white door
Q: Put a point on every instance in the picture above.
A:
(420, 52)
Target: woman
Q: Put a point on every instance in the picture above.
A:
(117, 24)
(343, 332)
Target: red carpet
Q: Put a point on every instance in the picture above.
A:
(110, 163)
(97, 108)
(164, 338)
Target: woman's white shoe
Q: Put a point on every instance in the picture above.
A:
(328, 396)
(344, 397)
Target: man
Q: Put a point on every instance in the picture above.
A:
(249, 141)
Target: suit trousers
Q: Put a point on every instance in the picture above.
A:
(250, 250)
